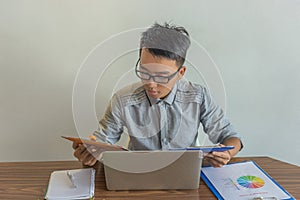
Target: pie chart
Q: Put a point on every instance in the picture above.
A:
(250, 182)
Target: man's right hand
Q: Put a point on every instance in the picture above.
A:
(87, 155)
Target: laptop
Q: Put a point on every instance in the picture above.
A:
(152, 170)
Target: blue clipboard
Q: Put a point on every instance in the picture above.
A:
(218, 195)
(206, 149)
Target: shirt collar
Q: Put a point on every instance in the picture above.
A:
(169, 99)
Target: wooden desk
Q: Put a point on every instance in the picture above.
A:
(28, 180)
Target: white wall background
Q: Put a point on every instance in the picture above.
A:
(254, 43)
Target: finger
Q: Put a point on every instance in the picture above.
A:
(83, 155)
(95, 150)
(75, 145)
(221, 155)
(88, 159)
(78, 151)
(210, 158)
(92, 149)
(221, 160)
(218, 162)
(86, 155)
(209, 155)
(218, 159)
(213, 162)
(90, 162)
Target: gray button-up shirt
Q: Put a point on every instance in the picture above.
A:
(172, 122)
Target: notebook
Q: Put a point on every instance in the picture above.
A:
(152, 170)
(71, 184)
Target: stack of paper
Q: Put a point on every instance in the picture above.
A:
(71, 184)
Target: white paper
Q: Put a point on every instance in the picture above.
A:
(241, 181)
(60, 187)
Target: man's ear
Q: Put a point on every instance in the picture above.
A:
(181, 72)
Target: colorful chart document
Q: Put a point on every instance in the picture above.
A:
(242, 181)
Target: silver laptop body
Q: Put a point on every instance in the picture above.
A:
(152, 170)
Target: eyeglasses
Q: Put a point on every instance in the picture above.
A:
(157, 79)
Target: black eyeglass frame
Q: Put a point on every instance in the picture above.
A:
(153, 77)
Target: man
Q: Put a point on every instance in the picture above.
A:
(163, 111)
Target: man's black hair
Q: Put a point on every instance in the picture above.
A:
(167, 41)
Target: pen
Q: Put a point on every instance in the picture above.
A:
(71, 178)
(207, 149)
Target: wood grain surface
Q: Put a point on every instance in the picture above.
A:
(28, 180)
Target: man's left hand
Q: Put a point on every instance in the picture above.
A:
(218, 159)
